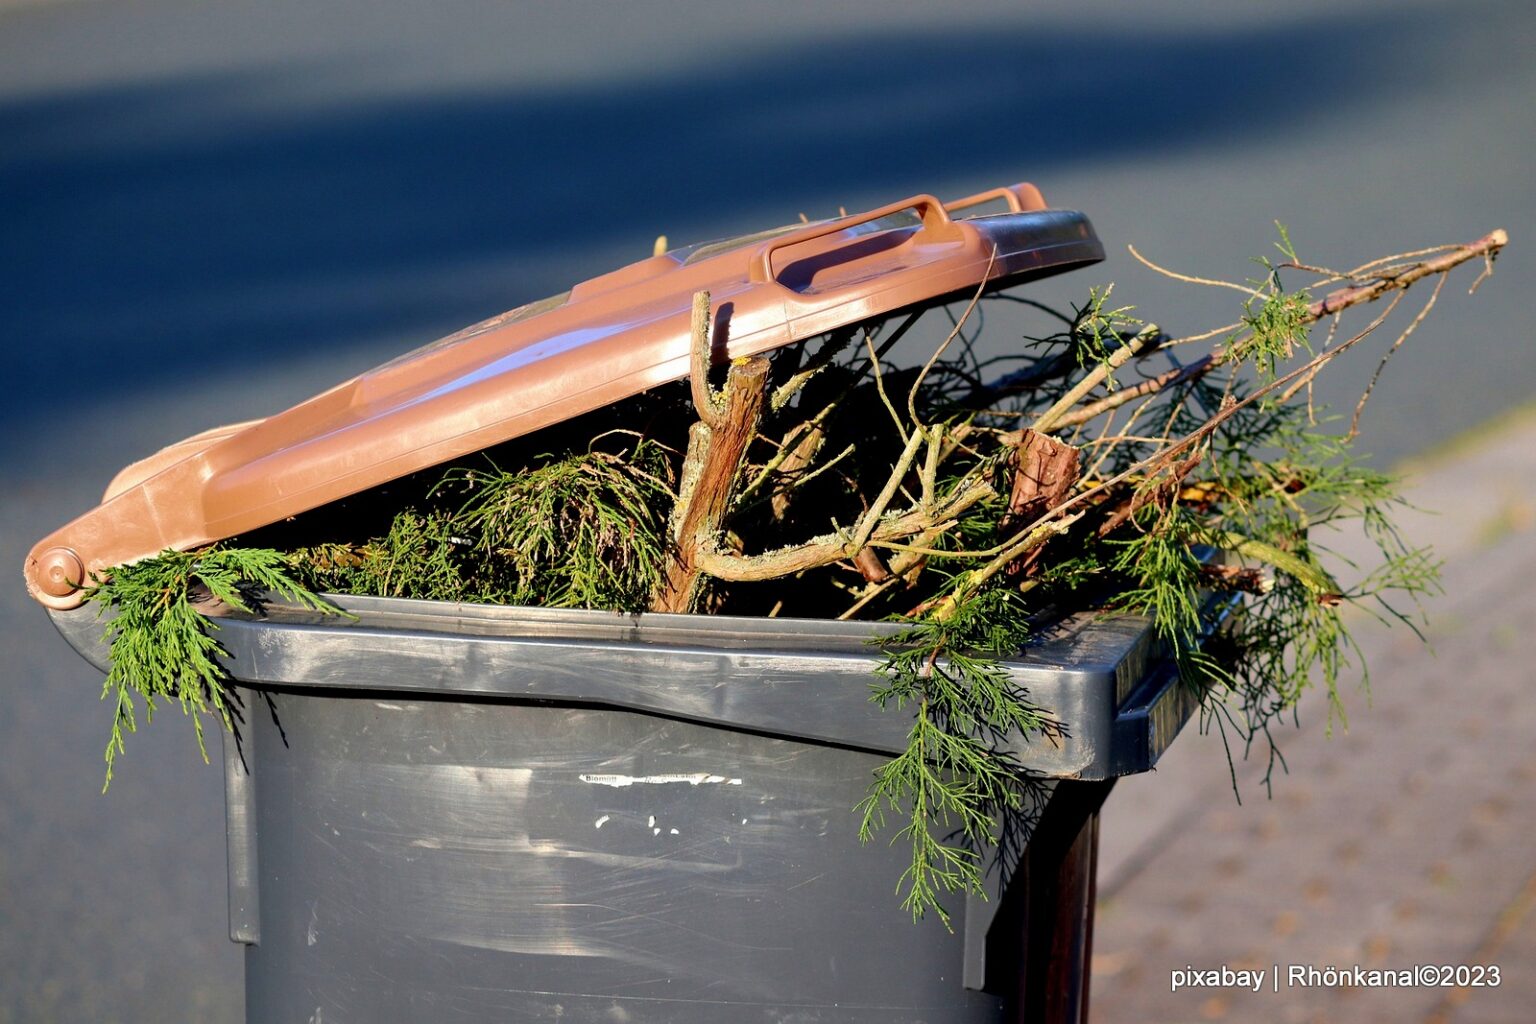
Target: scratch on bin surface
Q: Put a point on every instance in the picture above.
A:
(621, 781)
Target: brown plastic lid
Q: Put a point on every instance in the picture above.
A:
(607, 339)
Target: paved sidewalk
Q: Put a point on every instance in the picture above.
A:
(1405, 840)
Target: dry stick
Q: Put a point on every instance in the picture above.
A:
(716, 446)
(780, 498)
(959, 325)
(920, 435)
(874, 363)
(1306, 381)
(867, 522)
(825, 356)
(1055, 416)
(1334, 302)
(907, 561)
(1177, 375)
(1190, 279)
(1290, 392)
(835, 547)
(871, 566)
(803, 442)
(871, 592)
(1488, 245)
(799, 450)
(1369, 268)
(706, 402)
(1025, 544)
(1144, 496)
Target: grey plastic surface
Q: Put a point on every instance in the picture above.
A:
(468, 813)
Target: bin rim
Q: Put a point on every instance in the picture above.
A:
(1100, 675)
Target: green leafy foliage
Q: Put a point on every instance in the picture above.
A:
(1294, 634)
(583, 531)
(951, 785)
(162, 645)
(1276, 325)
(1275, 320)
(1098, 329)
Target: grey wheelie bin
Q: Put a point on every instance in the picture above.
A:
(452, 813)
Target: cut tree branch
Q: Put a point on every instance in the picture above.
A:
(717, 444)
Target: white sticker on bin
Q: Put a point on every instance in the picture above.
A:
(622, 781)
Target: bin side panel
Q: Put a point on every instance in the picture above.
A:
(466, 861)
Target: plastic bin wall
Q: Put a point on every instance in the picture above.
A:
(465, 814)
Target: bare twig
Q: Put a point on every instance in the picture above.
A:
(1244, 289)
(867, 522)
(825, 357)
(874, 362)
(1055, 416)
(1487, 246)
(949, 340)
(709, 405)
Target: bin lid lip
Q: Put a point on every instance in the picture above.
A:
(608, 338)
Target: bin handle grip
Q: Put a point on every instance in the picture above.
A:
(1021, 198)
(937, 227)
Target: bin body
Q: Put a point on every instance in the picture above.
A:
(459, 813)
(428, 860)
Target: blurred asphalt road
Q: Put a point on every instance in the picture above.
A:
(211, 211)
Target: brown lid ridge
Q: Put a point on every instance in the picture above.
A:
(611, 337)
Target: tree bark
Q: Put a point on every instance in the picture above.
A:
(1044, 472)
(710, 473)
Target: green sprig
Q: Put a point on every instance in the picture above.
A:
(161, 643)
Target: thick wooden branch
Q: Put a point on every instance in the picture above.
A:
(835, 547)
(717, 446)
(711, 469)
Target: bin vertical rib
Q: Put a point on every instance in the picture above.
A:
(240, 829)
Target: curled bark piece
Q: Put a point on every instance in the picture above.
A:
(1045, 471)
